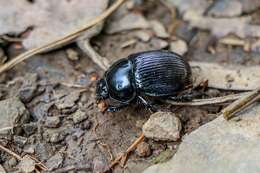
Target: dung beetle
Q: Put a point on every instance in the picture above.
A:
(157, 73)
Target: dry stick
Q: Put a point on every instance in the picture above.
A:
(6, 128)
(241, 104)
(130, 149)
(41, 165)
(10, 152)
(214, 100)
(60, 41)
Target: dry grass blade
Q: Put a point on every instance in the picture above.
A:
(61, 41)
(18, 157)
(10, 152)
(241, 103)
(6, 128)
(210, 101)
(124, 156)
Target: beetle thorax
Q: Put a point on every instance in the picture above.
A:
(119, 79)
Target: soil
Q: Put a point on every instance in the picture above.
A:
(89, 143)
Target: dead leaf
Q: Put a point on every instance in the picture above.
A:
(220, 27)
(127, 22)
(50, 19)
(194, 13)
(226, 77)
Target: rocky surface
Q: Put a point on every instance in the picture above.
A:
(162, 126)
(67, 131)
(219, 146)
(27, 164)
(2, 170)
(13, 114)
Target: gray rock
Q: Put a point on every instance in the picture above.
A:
(100, 164)
(20, 140)
(54, 162)
(143, 35)
(43, 151)
(27, 164)
(249, 5)
(143, 149)
(29, 128)
(2, 170)
(159, 29)
(12, 162)
(226, 8)
(128, 22)
(255, 47)
(72, 54)
(68, 101)
(199, 6)
(52, 122)
(86, 125)
(158, 43)
(57, 137)
(29, 87)
(163, 126)
(219, 146)
(41, 110)
(12, 113)
(79, 116)
(29, 149)
(179, 46)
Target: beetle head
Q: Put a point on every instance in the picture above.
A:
(101, 90)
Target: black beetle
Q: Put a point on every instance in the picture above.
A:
(157, 73)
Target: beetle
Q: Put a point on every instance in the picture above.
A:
(156, 73)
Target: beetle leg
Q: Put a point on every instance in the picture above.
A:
(115, 108)
(186, 97)
(183, 98)
(147, 104)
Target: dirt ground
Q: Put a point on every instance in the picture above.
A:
(68, 132)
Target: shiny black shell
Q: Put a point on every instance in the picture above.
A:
(156, 73)
(160, 73)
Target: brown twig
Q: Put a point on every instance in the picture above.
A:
(210, 101)
(10, 152)
(60, 41)
(123, 157)
(18, 157)
(241, 103)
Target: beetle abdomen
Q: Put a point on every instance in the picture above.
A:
(160, 73)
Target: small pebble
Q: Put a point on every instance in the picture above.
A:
(29, 149)
(143, 150)
(79, 116)
(12, 162)
(29, 128)
(54, 162)
(86, 125)
(57, 137)
(27, 164)
(179, 46)
(164, 126)
(52, 122)
(20, 141)
(159, 29)
(143, 36)
(72, 54)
